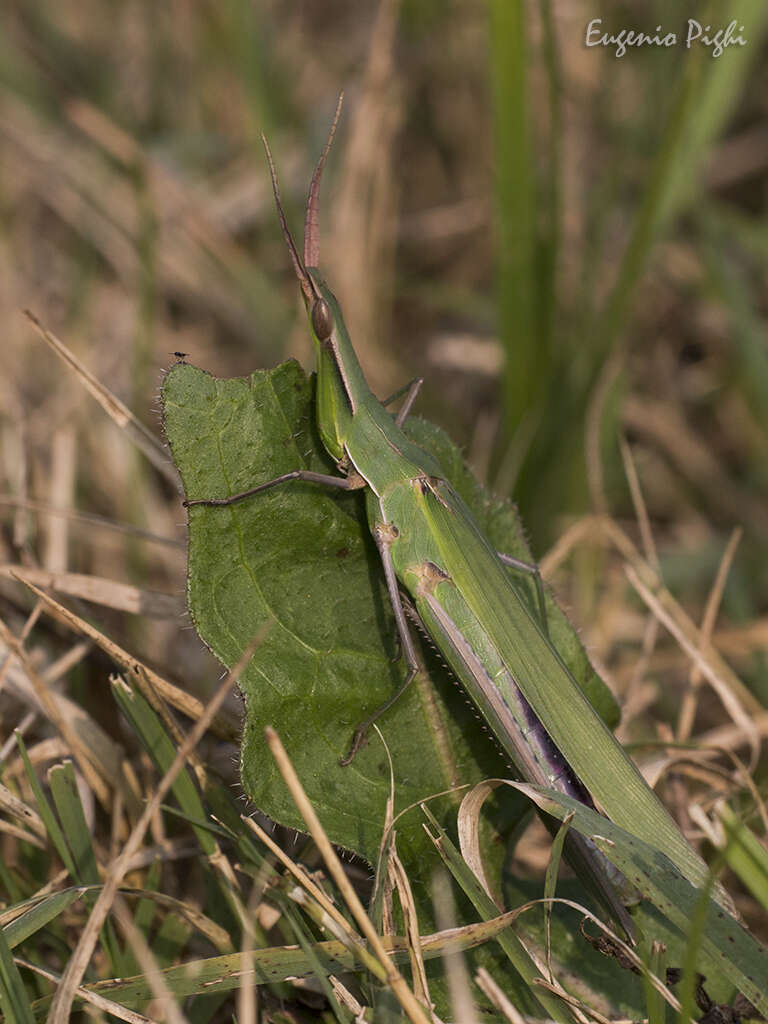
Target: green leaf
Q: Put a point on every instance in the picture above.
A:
(304, 557)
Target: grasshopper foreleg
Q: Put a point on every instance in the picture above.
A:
(346, 483)
(383, 535)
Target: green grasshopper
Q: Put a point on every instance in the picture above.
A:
(463, 594)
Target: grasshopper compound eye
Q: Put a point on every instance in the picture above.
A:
(322, 320)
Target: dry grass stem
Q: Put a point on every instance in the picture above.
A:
(667, 428)
(468, 824)
(89, 997)
(704, 658)
(457, 975)
(402, 885)
(690, 697)
(395, 980)
(498, 997)
(117, 411)
(65, 994)
(109, 593)
(638, 503)
(167, 1005)
(88, 519)
(63, 469)
(174, 695)
(13, 805)
(360, 249)
(305, 881)
(52, 709)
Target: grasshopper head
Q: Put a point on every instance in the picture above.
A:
(337, 391)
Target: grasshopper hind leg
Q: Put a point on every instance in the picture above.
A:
(410, 390)
(383, 536)
(534, 572)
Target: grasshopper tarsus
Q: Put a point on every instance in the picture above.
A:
(415, 382)
(357, 742)
(413, 390)
(361, 732)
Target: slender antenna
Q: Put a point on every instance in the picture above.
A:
(311, 233)
(304, 279)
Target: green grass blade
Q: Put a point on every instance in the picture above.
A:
(550, 878)
(657, 965)
(39, 914)
(747, 333)
(161, 749)
(69, 808)
(745, 855)
(280, 963)
(14, 1001)
(522, 980)
(304, 940)
(706, 94)
(143, 916)
(46, 812)
(516, 205)
(726, 947)
(550, 478)
(171, 939)
(549, 198)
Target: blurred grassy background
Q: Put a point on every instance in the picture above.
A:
(570, 247)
